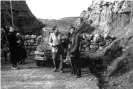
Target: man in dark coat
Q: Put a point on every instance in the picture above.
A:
(14, 55)
(75, 55)
(21, 48)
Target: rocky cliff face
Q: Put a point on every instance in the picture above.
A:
(110, 17)
(113, 17)
(23, 19)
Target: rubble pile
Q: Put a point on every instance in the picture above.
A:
(31, 43)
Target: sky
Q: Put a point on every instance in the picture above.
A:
(56, 9)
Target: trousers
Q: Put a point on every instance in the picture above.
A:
(58, 60)
(14, 57)
(75, 63)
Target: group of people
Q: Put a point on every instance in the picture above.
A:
(73, 51)
(16, 48)
(75, 44)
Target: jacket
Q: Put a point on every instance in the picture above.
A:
(54, 41)
(75, 46)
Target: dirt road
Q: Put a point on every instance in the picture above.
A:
(31, 77)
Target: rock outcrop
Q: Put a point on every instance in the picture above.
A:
(112, 17)
(23, 19)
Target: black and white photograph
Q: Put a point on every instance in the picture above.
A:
(66, 44)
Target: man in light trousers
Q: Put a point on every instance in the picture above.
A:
(54, 41)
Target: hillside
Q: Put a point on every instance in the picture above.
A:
(63, 23)
(23, 19)
(112, 17)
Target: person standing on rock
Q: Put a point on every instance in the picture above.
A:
(13, 48)
(54, 41)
